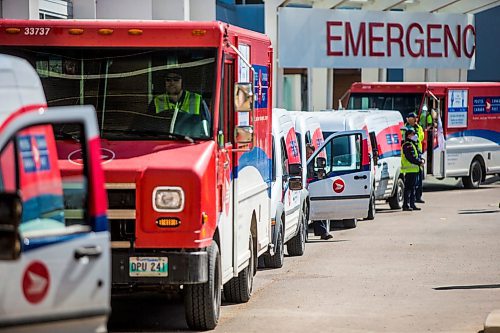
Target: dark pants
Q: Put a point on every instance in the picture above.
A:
(320, 227)
(409, 194)
(418, 185)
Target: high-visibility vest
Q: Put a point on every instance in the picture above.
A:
(406, 166)
(190, 104)
(420, 135)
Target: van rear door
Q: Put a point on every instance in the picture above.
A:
(340, 179)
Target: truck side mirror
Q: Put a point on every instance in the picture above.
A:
(10, 217)
(243, 107)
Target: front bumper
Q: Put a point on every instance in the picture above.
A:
(183, 268)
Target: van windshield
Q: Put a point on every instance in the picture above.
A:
(168, 92)
(404, 103)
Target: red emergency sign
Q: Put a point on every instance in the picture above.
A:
(338, 185)
(36, 282)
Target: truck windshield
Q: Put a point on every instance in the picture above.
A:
(404, 103)
(166, 91)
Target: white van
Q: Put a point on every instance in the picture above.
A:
(54, 241)
(288, 221)
(384, 130)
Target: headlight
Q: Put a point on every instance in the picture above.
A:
(168, 199)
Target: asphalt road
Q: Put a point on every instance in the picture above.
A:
(437, 270)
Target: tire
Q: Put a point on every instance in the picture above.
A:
(202, 301)
(239, 289)
(473, 180)
(350, 224)
(276, 260)
(396, 201)
(371, 208)
(297, 245)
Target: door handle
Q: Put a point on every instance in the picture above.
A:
(88, 251)
(226, 165)
(360, 177)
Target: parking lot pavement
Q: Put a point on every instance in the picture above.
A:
(436, 270)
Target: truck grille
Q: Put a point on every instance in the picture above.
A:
(121, 214)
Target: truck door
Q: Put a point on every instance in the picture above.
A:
(436, 144)
(63, 270)
(342, 180)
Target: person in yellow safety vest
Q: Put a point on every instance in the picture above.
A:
(410, 167)
(411, 121)
(426, 119)
(182, 104)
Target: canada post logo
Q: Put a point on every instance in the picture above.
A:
(34, 153)
(261, 85)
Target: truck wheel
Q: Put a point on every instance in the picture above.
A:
(202, 301)
(239, 289)
(297, 245)
(473, 180)
(350, 223)
(371, 208)
(276, 260)
(396, 201)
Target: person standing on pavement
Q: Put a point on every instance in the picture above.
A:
(411, 121)
(410, 167)
(320, 226)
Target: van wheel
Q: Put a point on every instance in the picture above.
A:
(473, 180)
(202, 301)
(396, 201)
(350, 224)
(239, 289)
(297, 245)
(371, 208)
(276, 260)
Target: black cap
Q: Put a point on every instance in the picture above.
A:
(411, 114)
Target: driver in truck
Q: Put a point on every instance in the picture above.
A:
(179, 104)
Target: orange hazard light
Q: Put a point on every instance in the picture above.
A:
(198, 32)
(135, 32)
(12, 30)
(105, 32)
(75, 31)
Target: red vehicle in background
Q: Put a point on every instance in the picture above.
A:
(461, 122)
(188, 192)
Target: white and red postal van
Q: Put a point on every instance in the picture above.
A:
(384, 130)
(288, 221)
(54, 240)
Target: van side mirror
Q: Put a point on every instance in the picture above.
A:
(10, 217)
(295, 183)
(320, 162)
(295, 180)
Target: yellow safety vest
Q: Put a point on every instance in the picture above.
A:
(190, 104)
(406, 166)
(420, 135)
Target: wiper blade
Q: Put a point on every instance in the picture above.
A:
(150, 133)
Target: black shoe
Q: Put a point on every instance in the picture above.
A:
(326, 237)
(416, 208)
(407, 209)
(419, 201)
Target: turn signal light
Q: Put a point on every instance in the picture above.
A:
(12, 31)
(204, 218)
(168, 222)
(75, 31)
(105, 32)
